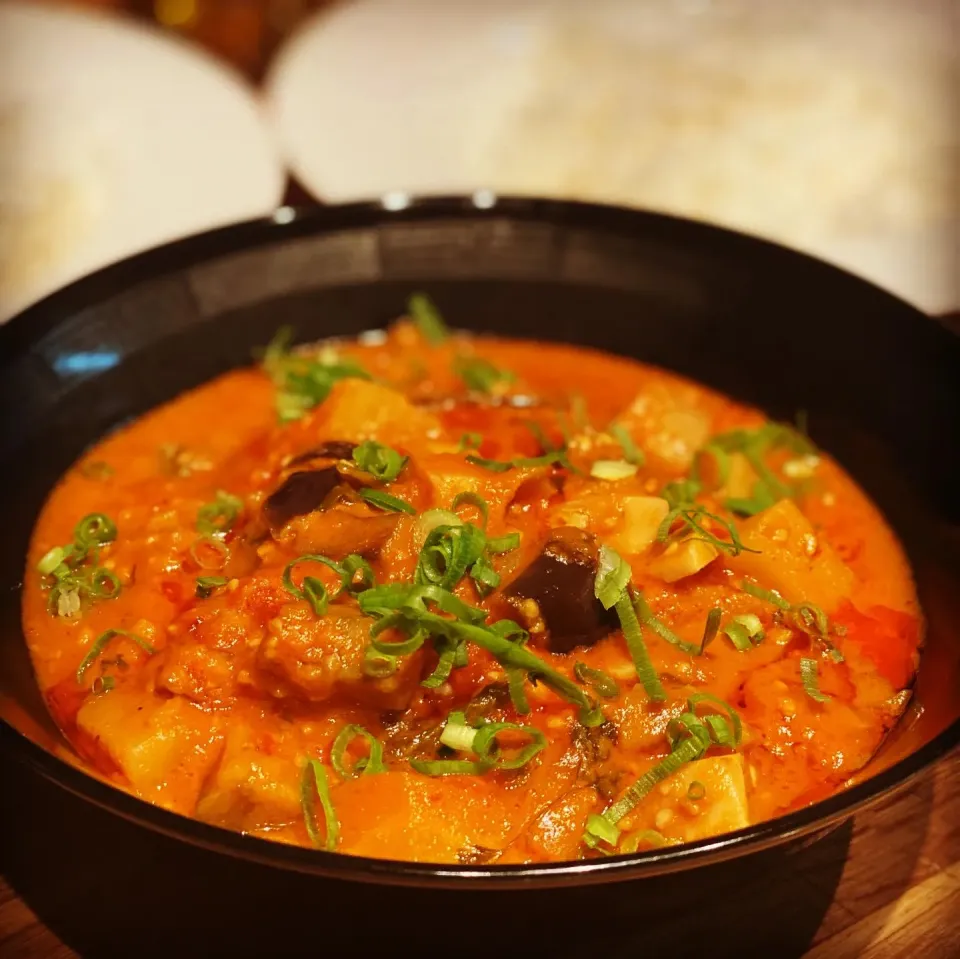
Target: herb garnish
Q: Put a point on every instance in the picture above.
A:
(101, 643)
(314, 783)
(217, 518)
(481, 740)
(612, 589)
(480, 375)
(74, 570)
(366, 765)
(754, 445)
(303, 381)
(690, 737)
(381, 462)
(427, 317)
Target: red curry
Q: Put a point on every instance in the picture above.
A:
(447, 598)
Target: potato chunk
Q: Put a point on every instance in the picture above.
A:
(361, 410)
(252, 788)
(164, 747)
(723, 807)
(792, 559)
(321, 658)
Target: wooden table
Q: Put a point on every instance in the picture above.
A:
(81, 883)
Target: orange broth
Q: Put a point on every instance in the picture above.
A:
(224, 700)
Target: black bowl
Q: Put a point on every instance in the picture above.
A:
(880, 383)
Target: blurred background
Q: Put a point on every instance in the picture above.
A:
(829, 125)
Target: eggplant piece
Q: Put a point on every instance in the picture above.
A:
(300, 493)
(555, 593)
(331, 450)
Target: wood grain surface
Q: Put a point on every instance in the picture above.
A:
(80, 882)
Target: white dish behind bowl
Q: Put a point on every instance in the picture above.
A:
(826, 125)
(114, 139)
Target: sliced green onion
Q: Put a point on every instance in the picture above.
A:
(516, 684)
(357, 574)
(613, 574)
(738, 635)
(384, 501)
(497, 639)
(304, 381)
(447, 553)
(638, 650)
(103, 684)
(613, 470)
(687, 751)
(450, 767)
(751, 623)
(767, 595)
(470, 441)
(103, 584)
(648, 837)
(427, 522)
(95, 528)
(503, 544)
(382, 462)
(51, 560)
(599, 830)
(696, 698)
(458, 736)
(495, 466)
(100, 644)
(365, 766)
(475, 500)
(810, 677)
(691, 516)
(427, 318)
(485, 746)
(441, 672)
(314, 783)
(487, 579)
(720, 458)
(312, 589)
(631, 452)
(645, 614)
(710, 628)
(208, 585)
(480, 375)
(696, 790)
(600, 682)
(218, 517)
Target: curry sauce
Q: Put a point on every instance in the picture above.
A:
(437, 597)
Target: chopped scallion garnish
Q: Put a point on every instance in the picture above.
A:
(810, 677)
(218, 517)
(427, 317)
(631, 452)
(381, 462)
(600, 682)
(365, 766)
(208, 585)
(101, 643)
(384, 501)
(480, 375)
(314, 783)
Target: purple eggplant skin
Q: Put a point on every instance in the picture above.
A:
(561, 583)
(300, 493)
(331, 450)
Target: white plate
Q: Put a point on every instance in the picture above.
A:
(826, 125)
(114, 139)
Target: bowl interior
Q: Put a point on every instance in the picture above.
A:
(878, 381)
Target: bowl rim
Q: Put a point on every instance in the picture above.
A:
(289, 223)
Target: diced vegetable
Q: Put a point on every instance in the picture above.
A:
(791, 558)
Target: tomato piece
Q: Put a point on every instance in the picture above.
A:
(887, 637)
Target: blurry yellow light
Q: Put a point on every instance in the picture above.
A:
(175, 13)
